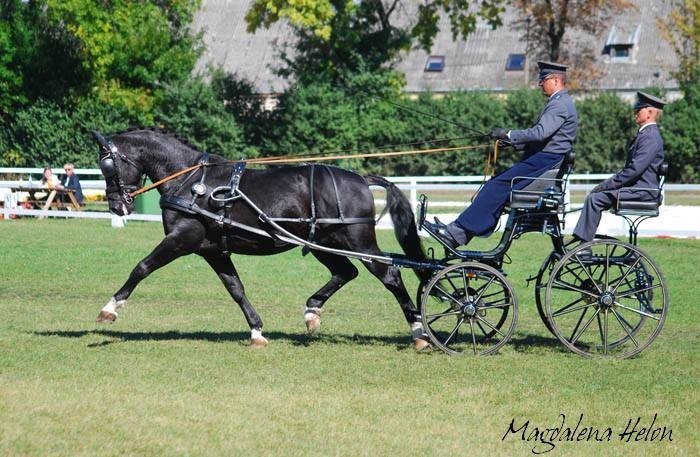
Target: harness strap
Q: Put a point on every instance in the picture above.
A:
(337, 195)
(231, 192)
(190, 207)
(198, 189)
(325, 220)
(180, 204)
(238, 169)
(312, 221)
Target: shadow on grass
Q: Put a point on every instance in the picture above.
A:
(116, 336)
(524, 343)
(527, 343)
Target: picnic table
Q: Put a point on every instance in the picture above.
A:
(51, 194)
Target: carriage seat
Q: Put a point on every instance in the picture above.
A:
(545, 192)
(649, 208)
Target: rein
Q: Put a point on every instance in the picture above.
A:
(490, 162)
(166, 179)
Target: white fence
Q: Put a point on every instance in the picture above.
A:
(680, 221)
(33, 175)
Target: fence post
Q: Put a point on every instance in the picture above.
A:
(118, 221)
(414, 194)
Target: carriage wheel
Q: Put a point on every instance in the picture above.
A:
(541, 285)
(612, 303)
(469, 308)
(543, 278)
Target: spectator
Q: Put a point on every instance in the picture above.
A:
(71, 181)
(48, 179)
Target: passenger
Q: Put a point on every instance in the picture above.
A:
(644, 158)
(544, 146)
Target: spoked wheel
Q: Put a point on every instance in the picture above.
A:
(609, 303)
(469, 308)
(543, 278)
(541, 286)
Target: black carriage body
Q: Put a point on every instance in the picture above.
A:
(602, 298)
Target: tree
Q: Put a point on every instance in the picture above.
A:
(682, 30)
(192, 110)
(241, 101)
(128, 48)
(48, 133)
(16, 50)
(335, 37)
(546, 22)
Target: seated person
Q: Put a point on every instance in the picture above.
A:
(48, 179)
(71, 181)
(544, 146)
(644, 158)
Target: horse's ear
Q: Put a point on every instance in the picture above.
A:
(100, 139)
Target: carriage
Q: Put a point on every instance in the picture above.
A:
(605, 298)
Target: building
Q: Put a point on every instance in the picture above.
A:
(632, 55)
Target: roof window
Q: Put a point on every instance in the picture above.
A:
(435, 63)
(515, 62)
(620, 45)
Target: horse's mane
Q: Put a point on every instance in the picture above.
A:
(163, 132)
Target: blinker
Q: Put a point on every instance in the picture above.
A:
(107, 167)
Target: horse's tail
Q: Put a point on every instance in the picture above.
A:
(404, 222)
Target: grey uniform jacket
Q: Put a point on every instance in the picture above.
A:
(644, 158)
(555, 129)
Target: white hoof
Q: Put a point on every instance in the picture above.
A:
(259, 342)
(312, 319)
(313, 324)
(109, 312)
(106, 317)
(421, 343)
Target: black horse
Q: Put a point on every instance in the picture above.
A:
(203, 215)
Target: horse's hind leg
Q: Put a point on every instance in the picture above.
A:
(342, 272)
(390, 276)
(223, 267)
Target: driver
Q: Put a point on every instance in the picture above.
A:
(544, 146)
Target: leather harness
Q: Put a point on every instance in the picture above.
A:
(228, 194)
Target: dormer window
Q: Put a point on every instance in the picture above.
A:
(620, 46)
(515, 62)
(620, 50)
(435, 63)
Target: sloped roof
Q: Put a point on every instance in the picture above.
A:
(477, 63)
(230, 46)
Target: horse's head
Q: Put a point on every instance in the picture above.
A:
(122, 176)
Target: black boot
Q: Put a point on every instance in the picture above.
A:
(441, 233)
(585, 253)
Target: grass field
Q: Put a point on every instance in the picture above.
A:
(174, 375)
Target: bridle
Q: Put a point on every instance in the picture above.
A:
(113, 178)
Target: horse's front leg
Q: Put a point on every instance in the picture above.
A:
(169, 249)
(223, 267)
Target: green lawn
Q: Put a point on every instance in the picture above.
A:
(174, 375)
